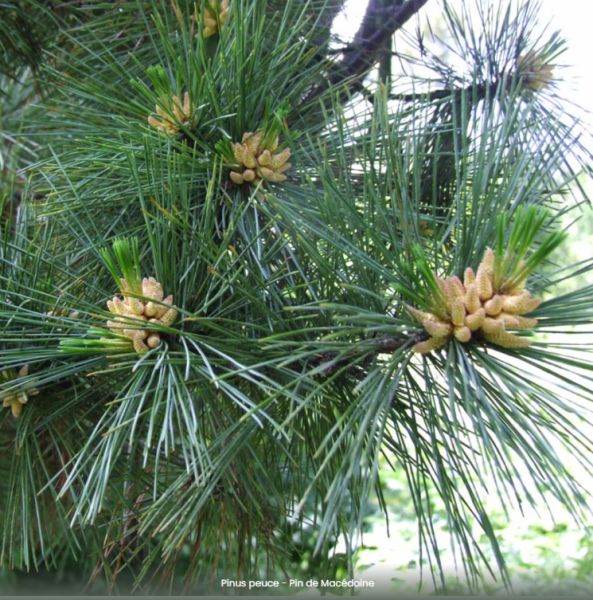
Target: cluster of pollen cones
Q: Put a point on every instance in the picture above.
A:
(210, 16)
(131, 313)
(16, 398)
(259, 160)
(474, 307)
(534, 72)
(171, 114)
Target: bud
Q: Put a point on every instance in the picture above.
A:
(135, 306)
(237, 178)
(164, 307)
(488, 262)
(249, 175)
(153, 340)
(265, 159)
(524, 323)
(138, 337)
(169, 317)
(280, 159)
(419, 315)
(456, 287)
(492, 325)
(509, 321)
(152, 289)
(458, 309)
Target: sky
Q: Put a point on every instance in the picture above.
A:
(573, 18)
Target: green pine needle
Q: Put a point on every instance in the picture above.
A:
(127, 262)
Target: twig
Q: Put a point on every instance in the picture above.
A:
(384, 345)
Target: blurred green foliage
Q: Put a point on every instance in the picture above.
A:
(547, 555)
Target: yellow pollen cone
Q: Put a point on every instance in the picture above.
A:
(472, 300)
(491, 325)
(475, 320)
(524, 323)
(462, 334)
(429, 345)
(469, 277)
(488, 262)
(521, 304)
(493, 306)
(484, 284)
(507, 340)
(437, 329)
(458, 312)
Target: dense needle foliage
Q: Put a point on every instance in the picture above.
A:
(234, 284)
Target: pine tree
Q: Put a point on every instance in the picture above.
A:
(241, 268)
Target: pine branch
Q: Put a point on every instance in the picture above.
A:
(382, 19)
(218, 448)
(383, 345)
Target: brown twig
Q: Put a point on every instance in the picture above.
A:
(385, 345)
